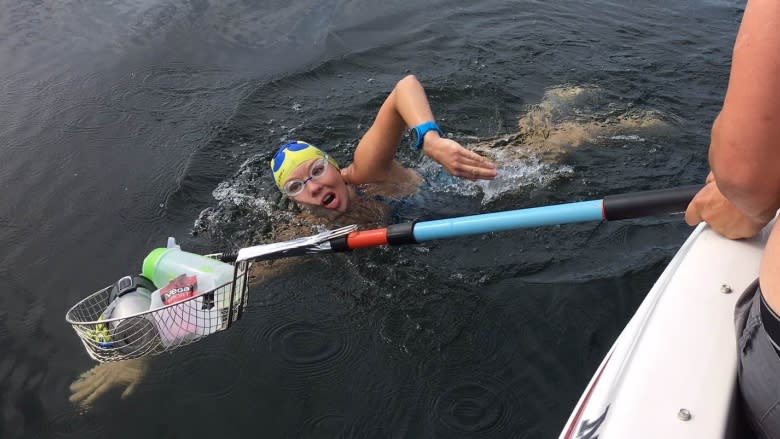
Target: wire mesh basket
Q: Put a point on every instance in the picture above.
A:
(159, 330)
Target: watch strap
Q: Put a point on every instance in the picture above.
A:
(421, 130)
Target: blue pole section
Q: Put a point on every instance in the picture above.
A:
(582, 211)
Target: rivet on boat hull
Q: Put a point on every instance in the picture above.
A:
(684, 415)
(725, 289)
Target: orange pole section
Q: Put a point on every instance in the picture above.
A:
(367, 238)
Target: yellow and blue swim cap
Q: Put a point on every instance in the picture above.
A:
(291, 155)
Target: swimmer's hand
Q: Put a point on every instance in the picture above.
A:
(711, 206)
(458, 160)
(104, 377)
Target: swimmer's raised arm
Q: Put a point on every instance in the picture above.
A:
(407, 106)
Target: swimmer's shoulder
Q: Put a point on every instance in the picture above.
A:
(401, 183)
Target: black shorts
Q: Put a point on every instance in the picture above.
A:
(758, 366)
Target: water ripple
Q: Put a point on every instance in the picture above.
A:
(10, 234)
(310, 350)
(3, 331)
(93, 117)
(321, 426)
(472, 407)
(261, 294)
(68, 424)
(32, 318)
(21, 25)
(201, 372)
(7, 366)
(160, 90)
(139, 219)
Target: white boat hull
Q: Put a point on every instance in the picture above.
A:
(672, 371)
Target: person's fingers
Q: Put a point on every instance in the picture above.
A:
(483, 174)
(92, 397)
(474, 173)
(129, 390)
(347, 174)
(471, 163)
(89, 385)
(86, 380)
(472, 169)
(81, 394)
(692, 216)
(141, 366)
(472, 158)
(103, 373)
(77, 386)
(77, 397)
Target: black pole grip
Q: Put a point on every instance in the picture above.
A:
(339, 244)
(400, 234)
(649, 203)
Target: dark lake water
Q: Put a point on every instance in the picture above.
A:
(123, 122)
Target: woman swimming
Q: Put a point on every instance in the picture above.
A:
(307, 175)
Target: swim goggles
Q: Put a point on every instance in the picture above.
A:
(294, 186)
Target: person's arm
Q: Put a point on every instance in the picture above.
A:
(743, 190)
(745, 147)
(407, 106)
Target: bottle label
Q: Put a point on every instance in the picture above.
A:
(180, 288)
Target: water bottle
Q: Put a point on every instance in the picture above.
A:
(183, 309)
(163, 265)
(130, 331)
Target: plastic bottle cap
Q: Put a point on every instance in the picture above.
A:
(150, 262)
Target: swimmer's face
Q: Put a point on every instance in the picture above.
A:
(327, 190)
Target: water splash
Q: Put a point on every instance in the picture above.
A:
(518, 176)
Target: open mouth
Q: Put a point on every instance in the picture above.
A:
(327, 199)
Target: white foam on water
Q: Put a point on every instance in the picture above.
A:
(228, 192)
(630, 138)
(515, 176)
(247, 196)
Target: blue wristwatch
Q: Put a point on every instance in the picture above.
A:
(418, 133)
